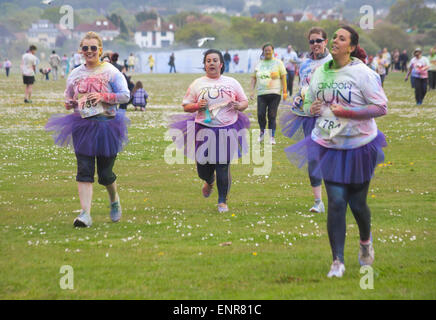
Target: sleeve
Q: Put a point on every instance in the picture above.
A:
(374, 95)
(309, 96)
(190, 96)
(239, 92)
(70, 101)
(282, 68)
(120, 91)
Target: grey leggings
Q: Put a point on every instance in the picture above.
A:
(339, 196)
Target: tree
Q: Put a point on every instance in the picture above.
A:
(119, 22)
(190, 33)
(145, 15)
(411, 13)
(390, 36)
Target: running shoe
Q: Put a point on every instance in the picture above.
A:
(222, 207)
(83, 220)
(336, 270)
(115, 211)
(318, 207)
(261, 137)
(207, 189)
(366, 254)
(273, 140)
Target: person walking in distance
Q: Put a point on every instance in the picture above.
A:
(270, 78)
(54, 61)
(28, 68)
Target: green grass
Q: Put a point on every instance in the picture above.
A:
(167, 244)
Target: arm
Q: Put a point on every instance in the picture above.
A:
(120, 91)
(284, 87)
(70, 102)
(253, 86)
(374, 96)
(193, 107)
(360, 113)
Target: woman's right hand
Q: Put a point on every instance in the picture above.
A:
(202, 104)
(315, 108)
(70, 104)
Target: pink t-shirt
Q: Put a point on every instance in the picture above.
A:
(218, 92)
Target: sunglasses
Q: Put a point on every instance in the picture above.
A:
(86, 48)
(317, 41)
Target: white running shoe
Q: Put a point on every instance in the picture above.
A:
(261, 137)
(366, 254)
(336, 270)
(273, 140)
(222, 207)
(318, 207)
(83, 220)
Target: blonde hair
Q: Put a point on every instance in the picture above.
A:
(92, 35)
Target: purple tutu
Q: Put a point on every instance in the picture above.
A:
(296, 127)
(90, 137)
(340, 166)
(211, 144)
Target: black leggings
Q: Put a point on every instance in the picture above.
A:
(339, 196)
(270, 102)
(223, 177)
(432, 79)
(420, 89)
(290, 81)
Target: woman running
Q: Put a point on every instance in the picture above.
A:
(346, 96)
(95, 129)
(270, 76)
(294, 120)
(215, 103)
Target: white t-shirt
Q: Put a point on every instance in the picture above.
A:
(77, 59)
(218, 92)
(290, 59)
(353, 86)
(28, 62)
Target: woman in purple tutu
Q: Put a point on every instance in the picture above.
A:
(96, 129)
(346, 96)
(295, 122)
(215, 103)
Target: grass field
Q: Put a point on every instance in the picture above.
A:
(167, 245)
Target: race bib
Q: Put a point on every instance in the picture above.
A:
(89, 109)
(331, 124)
(214, 109)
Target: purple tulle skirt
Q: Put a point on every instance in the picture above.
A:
(296, 127)
(341, 166)
(90, 137)
(211, 144)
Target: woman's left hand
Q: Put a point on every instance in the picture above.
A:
(235, 105)
(338, 110)
(96, 97)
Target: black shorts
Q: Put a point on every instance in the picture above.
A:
(28, 79)
(86, 169)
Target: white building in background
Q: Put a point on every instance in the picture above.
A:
(43, 32)
(105, 28)
(212, 10)
(155, 34)
(249, 3)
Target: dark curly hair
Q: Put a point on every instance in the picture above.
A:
(211, 51)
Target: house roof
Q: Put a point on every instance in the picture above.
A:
(152, 25)
(97, 26)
